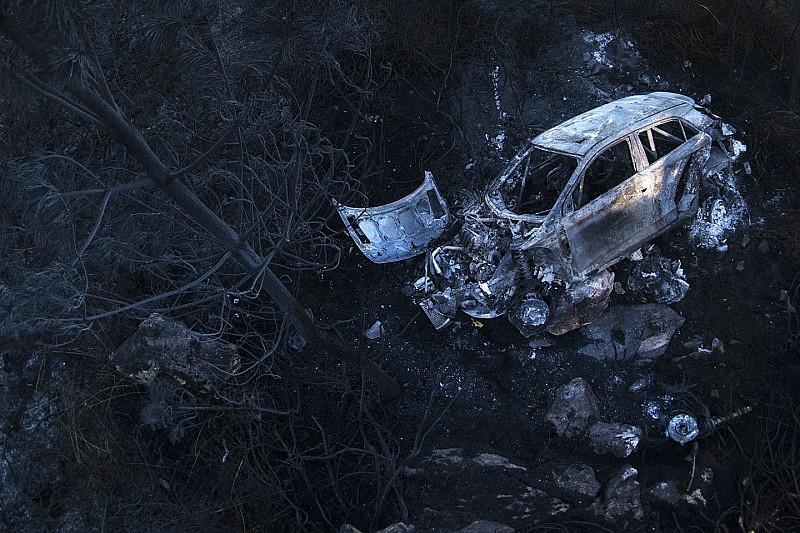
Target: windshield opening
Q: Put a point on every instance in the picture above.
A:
(533, 186)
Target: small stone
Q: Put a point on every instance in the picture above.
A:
(375, 331)
(557, 507)
(640, 384)
(696, 498)
(763, 247)
(666, 492)
(486, 526)
(627, 332)
(490, 459)
(740, 266)
(614, 438)
(717, 345)
(623, 496)
(574, 408)
(541, 342)
(399, 527)
(579, 483)
(447, 456)
(162, 345)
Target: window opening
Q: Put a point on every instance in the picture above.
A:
(610, 168)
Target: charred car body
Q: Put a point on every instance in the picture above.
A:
(575, 200)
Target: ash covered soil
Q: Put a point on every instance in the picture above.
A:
(472, 434)
(492, 453)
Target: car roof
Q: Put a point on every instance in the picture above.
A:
(578, 135)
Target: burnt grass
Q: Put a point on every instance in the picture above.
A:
(494, 389)
(477, 385)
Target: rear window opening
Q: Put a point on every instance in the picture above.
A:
(658, 141)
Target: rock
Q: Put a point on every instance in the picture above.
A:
(451, 487)
(583, 304)
(696, 498)
(623, 496)
(490, 459)
(617, 439)
(486, 526)
(541, 342)
(557, 507)
(657, 278)
(447, 456)
(375, 331)
(574, 408)
(162, 345)
(640, 384)
(666, 492)
(625, 332)
(578, 483)
(399, 527)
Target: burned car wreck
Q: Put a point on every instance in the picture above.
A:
(575, 200)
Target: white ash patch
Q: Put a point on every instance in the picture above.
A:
(737, 148)
(600, 40)
(656, 409)
(720, 214)
(495, 83)
(727, 129)
(497, 141)
(652, 410)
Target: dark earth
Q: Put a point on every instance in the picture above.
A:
(85, 448)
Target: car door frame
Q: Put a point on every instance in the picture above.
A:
(683, 174)
(605, 229)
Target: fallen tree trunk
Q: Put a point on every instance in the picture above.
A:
(97, 105)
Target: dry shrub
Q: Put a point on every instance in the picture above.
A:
(777, 127)
(587, 11)
(705, 33)
(770, 472)
(789, 232)
(774, 154)
(418, 36)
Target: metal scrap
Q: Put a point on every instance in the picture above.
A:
(659, 279)
(401, 229)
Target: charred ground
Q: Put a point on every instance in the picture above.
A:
(78, 454)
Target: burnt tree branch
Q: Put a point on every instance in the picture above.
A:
(120, 128)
